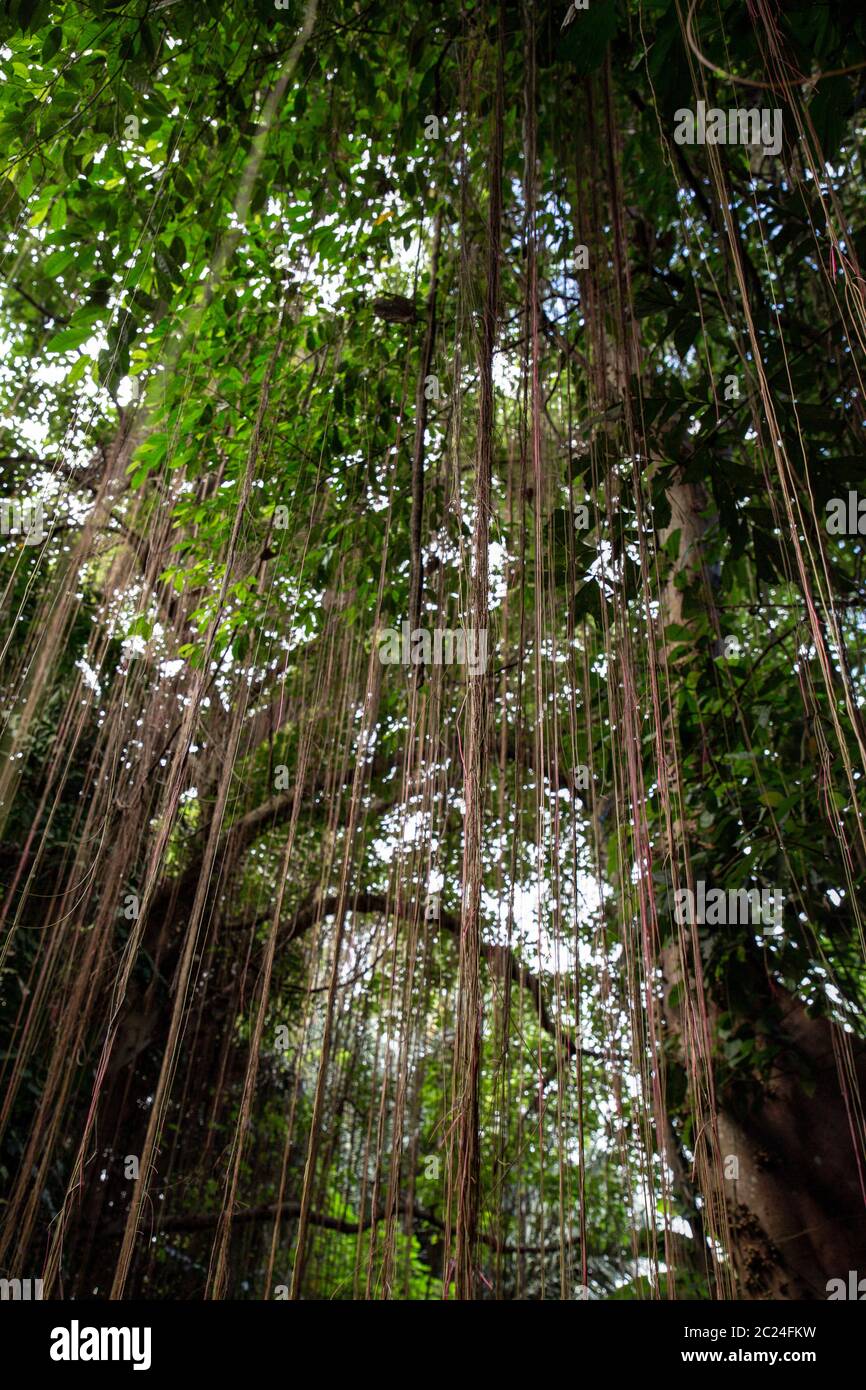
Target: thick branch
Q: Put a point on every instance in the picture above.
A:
(268, 1211)
(501, 959)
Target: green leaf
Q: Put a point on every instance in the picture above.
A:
(10, 202)
(58, 261)
(53, 40)
(654, 298)
(79, 330)
(141, 627)
(587, 602)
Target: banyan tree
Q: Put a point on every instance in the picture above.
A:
(433, 694)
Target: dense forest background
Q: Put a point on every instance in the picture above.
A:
(331, 967)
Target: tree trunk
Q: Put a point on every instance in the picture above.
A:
(793, 1172)
(796, 1202)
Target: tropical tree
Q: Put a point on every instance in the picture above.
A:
(432, 684)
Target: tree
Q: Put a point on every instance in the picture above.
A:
(419, 599)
